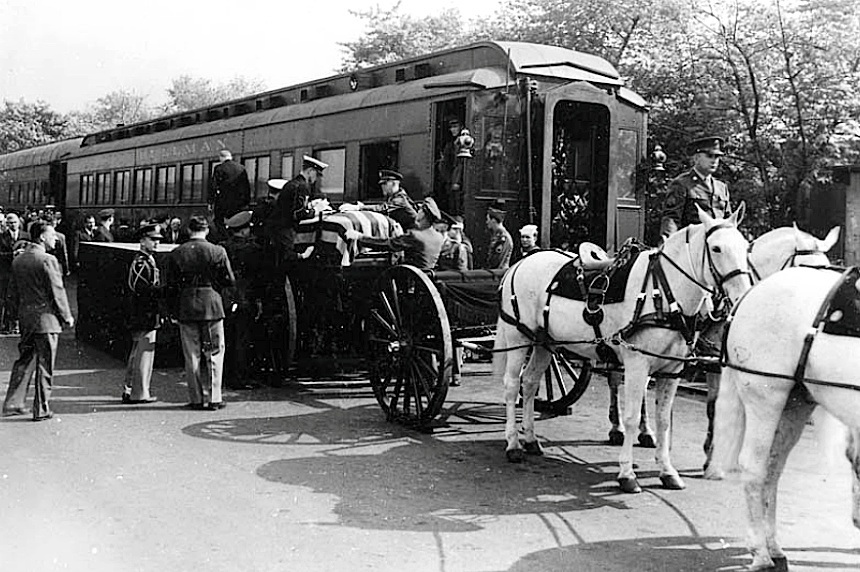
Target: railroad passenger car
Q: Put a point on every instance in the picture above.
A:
(556, 141)
(37, 176)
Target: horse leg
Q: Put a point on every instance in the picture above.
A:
(508, 364)
(531, 378)
(646, 434)
(797, 412)
(666, 389)
(853, 454)
(764, 401)
(635, 382)
(616, 432)
(711, 408)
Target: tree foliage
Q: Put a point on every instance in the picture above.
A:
(24, 125)
(186, 92)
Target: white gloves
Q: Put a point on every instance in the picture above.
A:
(346, 207)
(353, 234)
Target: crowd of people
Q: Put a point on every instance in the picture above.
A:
(204, 283)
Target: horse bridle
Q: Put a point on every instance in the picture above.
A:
(789, 261)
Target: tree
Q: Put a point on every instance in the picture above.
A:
(186, 92)
(391, 36)
(119, 107)
(24, 125)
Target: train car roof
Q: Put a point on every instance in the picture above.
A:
(480, 65)
(41, 155)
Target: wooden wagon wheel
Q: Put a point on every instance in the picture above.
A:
(565, 381)
(409, 346)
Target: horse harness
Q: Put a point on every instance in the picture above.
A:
(593, 287)
(828, 320)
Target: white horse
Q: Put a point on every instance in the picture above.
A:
(691, 265)
(775, 250)
(772, 382)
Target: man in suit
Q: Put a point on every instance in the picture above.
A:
(62, 250)
(144, 285)
(102, 232)
(37, 290)
(229, 190)
(8, 238)
(197, 271)
(86, 234)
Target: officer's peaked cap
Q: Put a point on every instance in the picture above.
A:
(239, 220)
(277, 184)
(150, 230)
(310, 162)
(712, 144)
(389, 175)
(432, 208)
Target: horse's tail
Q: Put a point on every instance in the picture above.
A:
(729, 427)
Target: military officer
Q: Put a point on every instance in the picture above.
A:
(397, 203)
(501, 243)
(292, 207)
(421, 244)
(696, 187)
(144, 287)
(243, 301)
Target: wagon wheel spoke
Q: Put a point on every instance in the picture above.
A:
(381, 321)
(416, 387)
(566, 381)
(390, 310)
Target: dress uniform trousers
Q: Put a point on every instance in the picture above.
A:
(203, 348)
(141, 359)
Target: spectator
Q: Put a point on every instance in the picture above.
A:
(8, 240)
(102, 232)
(37, 290)
(454, 255)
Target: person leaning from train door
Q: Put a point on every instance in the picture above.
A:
(421, 244)
(449, 171)
(397, 203)
(697, 186)
(243, 302)
(144, 289)
(43, 307)
(229, 190)
(501, 244)
(292, 207)
(197, 271)
(102, 232)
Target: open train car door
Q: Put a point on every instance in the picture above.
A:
(589, 169)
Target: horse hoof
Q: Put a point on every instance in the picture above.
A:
(647, 441)
(532, 448)
(672, 482)
(780, 563)
(629, 485)
(515, 455)
(713, 474)
(616, 438)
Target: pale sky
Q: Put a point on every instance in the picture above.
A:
(71, 52)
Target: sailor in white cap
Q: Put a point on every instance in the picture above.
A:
(292, 205)
(528, 239)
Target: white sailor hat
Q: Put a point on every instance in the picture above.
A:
(277, 183)
(308, 161)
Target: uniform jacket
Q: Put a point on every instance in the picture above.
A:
(197, 271)
(37, 290)
(685, 192)
(501, 247)
(454, 256)
(7, 246)
(249, 269)
(144, 288)
(399, 207)
(102, 234)
(421, 247)
(229, 189)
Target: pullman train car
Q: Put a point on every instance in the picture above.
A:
(35, 177)
(555, 139)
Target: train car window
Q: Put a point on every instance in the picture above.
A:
(191, 190)
(104, 191)
(259, 169)
(122, 186)
(46, 190)
(287, 166)
(334, 178)
(87, 195)
(11, 193)
(374, 157)
(143, 186)
(165, 184)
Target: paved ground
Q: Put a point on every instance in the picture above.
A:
(310, 477)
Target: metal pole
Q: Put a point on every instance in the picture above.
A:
(527, 83)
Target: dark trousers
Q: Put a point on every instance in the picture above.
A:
(238, 339)
(7, 310)
(42, 347)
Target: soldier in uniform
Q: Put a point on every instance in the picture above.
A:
(102, 232)
(422, 244)
(292, 207)
(243, 303)
(501, 243)
(696, 187)
(144, 286)
(397, 203)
